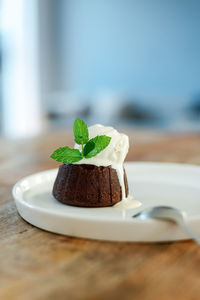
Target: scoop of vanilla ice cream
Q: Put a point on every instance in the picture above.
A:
(114, 154)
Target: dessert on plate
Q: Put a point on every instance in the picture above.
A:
(92, 173)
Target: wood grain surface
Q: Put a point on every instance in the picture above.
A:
(35, 264)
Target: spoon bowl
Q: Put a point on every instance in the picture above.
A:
(168, 213)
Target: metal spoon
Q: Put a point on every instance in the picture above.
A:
(168, 213)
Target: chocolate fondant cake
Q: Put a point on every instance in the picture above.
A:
(92, 173)
(88, 185)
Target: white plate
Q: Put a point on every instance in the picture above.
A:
(151, 183)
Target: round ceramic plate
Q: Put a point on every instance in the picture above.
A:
(150, 183)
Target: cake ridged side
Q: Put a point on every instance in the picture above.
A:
(88, 185)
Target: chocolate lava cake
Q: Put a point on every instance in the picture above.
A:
(88, 185)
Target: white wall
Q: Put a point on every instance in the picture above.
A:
(20, 78)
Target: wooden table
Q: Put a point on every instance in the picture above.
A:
(35, 264)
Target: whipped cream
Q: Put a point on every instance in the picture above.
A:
(113, 155)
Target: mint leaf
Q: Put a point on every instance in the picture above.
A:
(81, 135)
(67, 155)
(96, 145)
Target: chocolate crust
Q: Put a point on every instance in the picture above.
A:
(88, 185)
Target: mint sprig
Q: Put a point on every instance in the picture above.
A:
(90, 147)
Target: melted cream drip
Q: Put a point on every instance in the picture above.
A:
(128, 203)
(120, 173)
(113, 155)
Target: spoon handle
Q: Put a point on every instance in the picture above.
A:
(189, 231)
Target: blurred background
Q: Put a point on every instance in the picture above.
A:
(132, 63)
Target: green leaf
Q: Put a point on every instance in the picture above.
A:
(96, 145)
(81, 135)
(67, 155)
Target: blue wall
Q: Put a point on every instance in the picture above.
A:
(143, 47)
